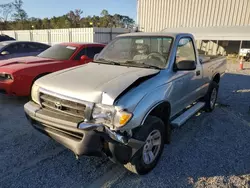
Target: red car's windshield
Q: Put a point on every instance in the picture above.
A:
(58, 52)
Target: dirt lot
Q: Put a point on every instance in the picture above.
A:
(210, 150)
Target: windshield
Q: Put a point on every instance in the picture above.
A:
(2, 45)
(58, 52)
(139, 51)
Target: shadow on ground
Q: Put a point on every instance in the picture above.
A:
(210, 149)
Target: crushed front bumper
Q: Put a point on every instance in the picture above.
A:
(94, 140)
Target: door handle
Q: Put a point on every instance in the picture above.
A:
(198, 73)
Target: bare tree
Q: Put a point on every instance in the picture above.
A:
(20, 14)
(75, 17)
(5, 11)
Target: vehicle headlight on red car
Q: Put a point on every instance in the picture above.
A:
(5, 76)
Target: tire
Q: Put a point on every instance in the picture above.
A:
(142, 165)
(211, 97)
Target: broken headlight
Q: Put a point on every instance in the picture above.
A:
(110, 115)
(103, 114)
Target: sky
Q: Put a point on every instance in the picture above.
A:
(50, 8)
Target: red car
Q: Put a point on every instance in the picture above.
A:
(17, 75)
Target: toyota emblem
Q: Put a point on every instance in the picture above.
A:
(58, 105)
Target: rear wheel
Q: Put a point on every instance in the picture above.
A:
(211, 97)
(153, 133)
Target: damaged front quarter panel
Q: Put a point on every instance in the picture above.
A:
(118, 87)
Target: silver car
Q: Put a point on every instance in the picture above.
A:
(124, 103)
(12, 49)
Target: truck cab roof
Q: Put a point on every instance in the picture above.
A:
(152, 34)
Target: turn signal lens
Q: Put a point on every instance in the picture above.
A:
(124, 118)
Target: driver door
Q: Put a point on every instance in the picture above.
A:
(186, 82)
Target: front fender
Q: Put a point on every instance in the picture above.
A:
(146, 104)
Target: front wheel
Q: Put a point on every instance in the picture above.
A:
(153, 133)
(211, 97)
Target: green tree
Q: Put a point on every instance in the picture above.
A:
(46, 23)
(127, 21)
(71, 19)
(104, 13)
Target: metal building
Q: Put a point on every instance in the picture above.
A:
(225, 23)
(155, 15)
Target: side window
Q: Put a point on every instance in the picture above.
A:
(42, 46)
(81, 53)
(185, 50)
(91, 51)
(24, 48)
(12, 48)
(32, 47)
(36, 47)
(21, 47)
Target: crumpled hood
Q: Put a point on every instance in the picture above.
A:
(99, 83)
(24, 60)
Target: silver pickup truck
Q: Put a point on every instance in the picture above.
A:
(124, 104)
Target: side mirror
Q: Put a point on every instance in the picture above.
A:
(185, 65)
(183, 42)
(5, 53)
(95, 57)
(85, 58)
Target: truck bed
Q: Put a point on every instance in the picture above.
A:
(209, 58)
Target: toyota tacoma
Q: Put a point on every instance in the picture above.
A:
(124, 104)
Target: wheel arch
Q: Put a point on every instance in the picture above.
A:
(216, 78)
(161, 110)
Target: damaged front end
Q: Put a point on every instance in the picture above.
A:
(85, 120)
(84, 138)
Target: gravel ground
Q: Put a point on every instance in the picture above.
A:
(210, 150)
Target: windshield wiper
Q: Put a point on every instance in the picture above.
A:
(126, 63)
(135, 64)
(151, 66)
(130, 62)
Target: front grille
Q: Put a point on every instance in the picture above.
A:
(61, 105)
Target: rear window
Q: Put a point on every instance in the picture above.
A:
(58, 52)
